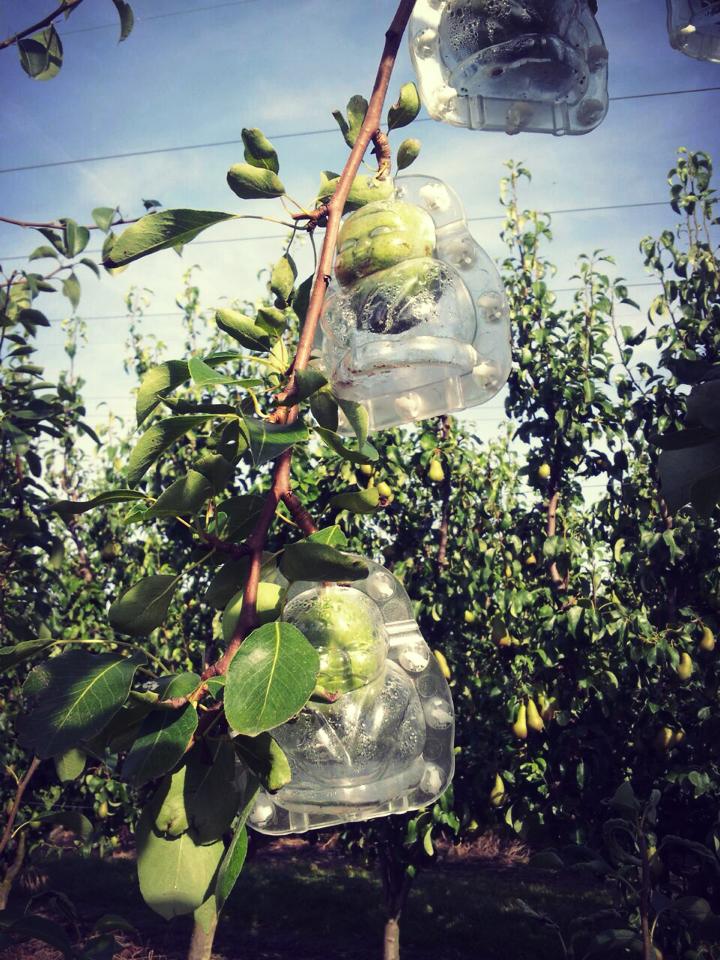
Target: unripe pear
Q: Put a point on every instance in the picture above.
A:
(534, 720)
(444, 668)
(436, 472)
(469, 616)
(548, 707)
(685, 667)
(678, 738)
(544, 471)
(531, 560)
(366, 469)
(497, 794)
(384, 490)
(519, 728)
(707, 641)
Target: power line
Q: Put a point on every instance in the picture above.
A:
(160, 16)
(286, 136)
(485, 218)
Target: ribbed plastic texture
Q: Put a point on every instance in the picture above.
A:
(416, 324)
(694, 28)
(383, 747)
(535, 66)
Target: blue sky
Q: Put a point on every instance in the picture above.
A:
(187, 76)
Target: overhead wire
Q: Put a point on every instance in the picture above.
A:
(285, 136)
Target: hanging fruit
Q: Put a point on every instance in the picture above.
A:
(694, 28)
(419, 326)
(538, 66)
(377, 736)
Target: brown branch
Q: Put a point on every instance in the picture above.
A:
(64, 8)
(381, 149)
(335, 208)
(57, 225)
(443, 433)
(299, 514)
(235, 550)
(12, 871)
(21, 788)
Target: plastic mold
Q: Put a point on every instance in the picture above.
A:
(694, 28)
(418, 324)
(385, 746)
(537, 66)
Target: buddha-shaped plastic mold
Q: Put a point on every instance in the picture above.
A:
(418, 324)
(538, 66)
(385, 744)
(694, 28)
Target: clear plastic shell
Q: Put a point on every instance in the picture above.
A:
(383, 747)
(427, 336)
(537, 66)
(694, 28)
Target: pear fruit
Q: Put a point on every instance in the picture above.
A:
(366, 469)
(497, 794)
(707, 641)
(678, 738)
(469, 616)
(531, 560)
(534, 720)
(436, 472)
(664, 739)
(519, 728)
(685, 667)
(544, 471)
(385, 490)
(444, 668)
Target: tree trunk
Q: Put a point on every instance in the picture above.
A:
(391, 949)
(203, 935)
(12, 871)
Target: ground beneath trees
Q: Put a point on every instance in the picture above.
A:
(295, 901)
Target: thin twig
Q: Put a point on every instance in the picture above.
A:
(64, 8)
(21, 788)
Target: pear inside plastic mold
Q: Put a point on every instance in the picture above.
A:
(537, 66)
(405, 339)
(694, 28)
(383, 747)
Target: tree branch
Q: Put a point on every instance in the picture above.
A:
(334, 210)
(21, 788)
(65, 7)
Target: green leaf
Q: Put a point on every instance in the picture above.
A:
(77, 695)
(405, 109)
(269, 605)
(407, 154)
(216, 470)
(272, 321)
(71, 289)
(308, 560)
(357, 501)
(226, 583)
(270, 678)
(144, 606)
(265, 759)
(76, 237)
(269, 440)
(366, 454)
(185, 496)
(356, 109)
(175, 875)
(157, 439)
(40, 253)
(157, 383)
(282, 278)
(70, 764)
(332, 535)
(365, 188)
(357, 417)
(12, 656)
(244, 330)
(242, 513)
(307, 382)
(211, 795)
(71, 508)
(103, 217)
(254, 183)
(161, 231)
(41, 54)
(127, 20)
(72, 820)
(259, 152)
(324, 407)
(232, 862)
(35, 927)
(164, 735)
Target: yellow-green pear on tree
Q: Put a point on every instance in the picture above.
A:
(707, 641)
(685, 667)
(519, 728)
(534, 720)
(436, 472)
(497, 794)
